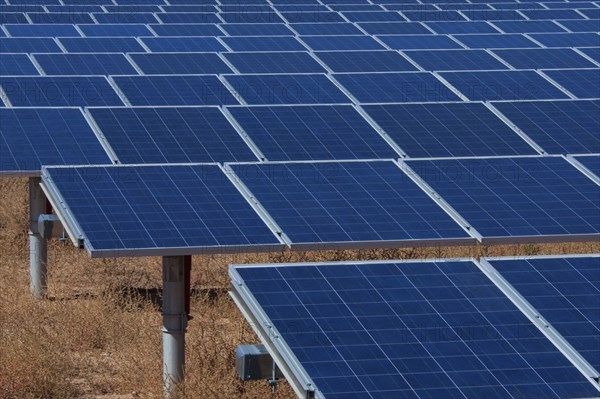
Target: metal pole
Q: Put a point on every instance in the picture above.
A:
(175, 292)
(38, 249)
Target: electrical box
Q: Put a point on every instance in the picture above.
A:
(49, 226)
(253, 362)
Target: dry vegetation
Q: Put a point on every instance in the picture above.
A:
(98, 336)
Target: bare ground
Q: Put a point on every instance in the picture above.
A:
(98, 335)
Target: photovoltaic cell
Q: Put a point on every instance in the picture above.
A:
(373, 16)
(394, 28)
(567, 39)
(186, 30)
(257, 29)
(17, 64)
(165, 209)
(271, 62)
(174, 90)
(183, 44)
(416, 42)
(171, 135)
(448, 130)
(264, 43)
(188, 18)
(324, 43)
(590, 162)
(446, 15)
(582, 25)
(30, 138)
(180, 63)
(455, 60)
(115, 30)
(496, 41)
(407, 330)
(71, 17)
(55, 91)
(528, 26)
(561, 290)
(101, 45)
(298, 133)
(251, 17)
(544, 58)
(395, 87)
(286, 89)
(126, 18)
(326, 29)
(53, 30)
(458, 27)
(559, 127)
(593, 53)
(365, 61)
(85, 64)
(28, 45)
(503, 85)
(583, 83)
(517, 197)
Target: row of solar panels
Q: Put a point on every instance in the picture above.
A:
(495, 328)
(139, 210)
(32, 137)
(125, 3)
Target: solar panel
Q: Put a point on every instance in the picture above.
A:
(53, 30)
(449, 28)
(311, 16)
(326, 29)
(126, 18)
(188, 17)
(582, 25)
(544, 58)
(395, 87)
(174, 90)
(28, 45)
(85, 64)
(101, 45)
(311, 133)
(496, 41)
(158, 210)
(399, 329)
(417, 42)
(180, 63)
(455, 60)
(13, 18)
(503, 85)
(263, 43)
(591, 162)
(324, 43)
(373, 16)
(348, 203)
(511, 199)
(286, 89)
(567, 39)
(559, 127)
(183, 44)
(30, 138)
(394, 28)
(448, 130)
(446, 15)
(528, 26)
(171, 135)
(271, 62)
(257, 29)
(107, 30)
(365, 61)
(71, 17)
(552, 14)
(560, 289)
(251, 17)
(583, 83)
(593, 53)
(59, 91)
(186, 30)
(17, 64)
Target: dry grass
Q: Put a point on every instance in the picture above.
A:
(99, 334)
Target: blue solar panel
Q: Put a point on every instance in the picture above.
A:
(22, 8)
(107, 30)
(183, 44)
(446, 15)
(406, 330)
(264, 43)
(395, 28)
(28, 45)
(503, 85)
(125, 18)
(373, 16)
(312, 16)
(60, 91)
(17, 64)
(30, 138)
(499, 15)
(188, 18)
(583, 83)
(169, 209)
(562, 290)
(180, 63)
(455, 60)
(324, 43)
(311, 133)
(593, 53)
(517, 197)
(284, 62)
(326, 29)
(496, 41)
(190, 8)
(559, 127)
(365, 61)
(101, 45)
(286, 89)
(251, 17)
(171, 135)
(448, 130)
(13, 18)
(552, 14)
(582, 25)
(461, 27)
(416, 42)
(85, 64)
(174, 90)
(544, 58)
(528, 26)
(395, 87)
(257, 29)
(347, 202)
(70, 17)
(55, 30)
(186, 30)
(567, 39)
(591, 162)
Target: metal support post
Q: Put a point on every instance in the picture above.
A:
(38, 249)
(175, 298)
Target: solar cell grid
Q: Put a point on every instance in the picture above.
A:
(401, 329)
(182, 44)
(544, 58)
(582, 25)
(528, 26)
(492, 41)
(455, 60)
(71, 17)
(107, 30)
(583, 83)
(263, 43)
(28, 45)
(324, 43)
(461, 27)
(85, 64)
(347, 202)
(326, 29)
(395, 28)
(13, 18)
(101, 45)
(295, 133)
(373, 16)
(365, 61)
(417, 42)
(270, 62)
(17, 64)
(446, 15)
(53, 30)
(180, 63)
(126, 18)
(257, 29)
(567, 39)
(186, 30)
